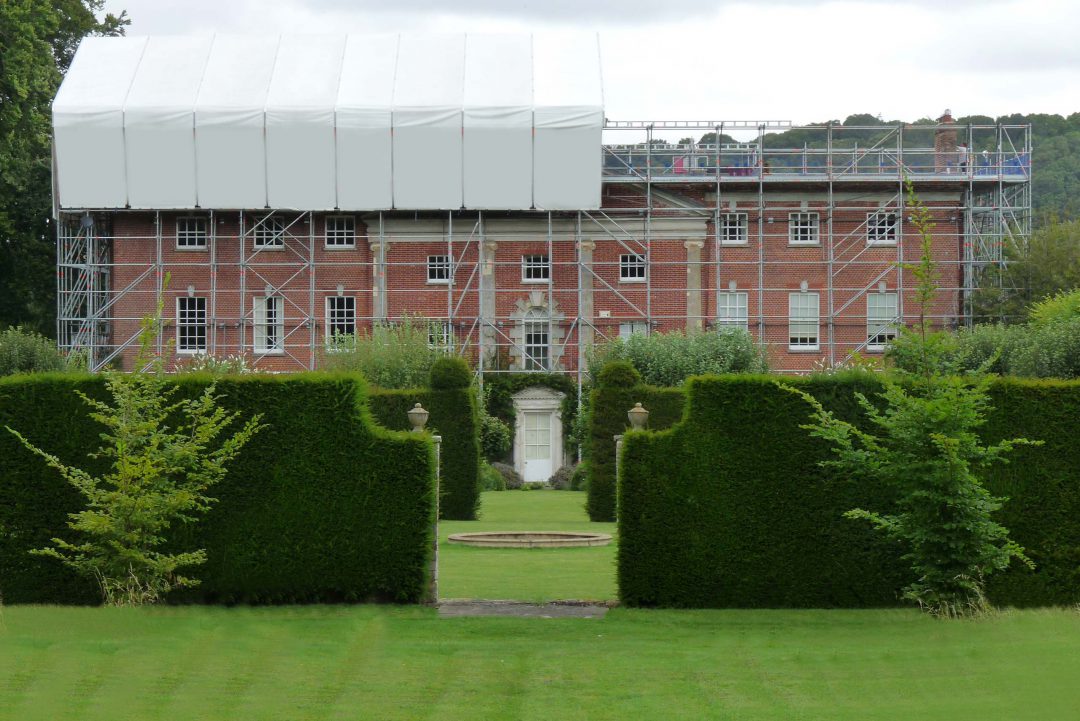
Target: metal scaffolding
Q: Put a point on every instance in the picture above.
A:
(664, 203)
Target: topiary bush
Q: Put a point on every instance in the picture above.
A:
(322, 506)
(512, 478)
(618, 374)
(731, 508)
(450, 372)
(455, 416)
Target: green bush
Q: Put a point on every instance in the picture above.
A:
(667, 359)
(730, 508)
(494, 438)
(1052, 350)
(454, 415)
(450, 372)
(618, 374)
(322, 505)
(990, 346)
(560, 480)
(395, 356)
(580, 480)
(23, 351)
(1062, 306)
(511, 478)
(491, 479)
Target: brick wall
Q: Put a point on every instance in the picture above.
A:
(230, 277)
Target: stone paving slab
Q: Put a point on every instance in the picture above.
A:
(520, 609)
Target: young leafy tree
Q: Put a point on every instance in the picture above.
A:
(165, 454)
(923, 442)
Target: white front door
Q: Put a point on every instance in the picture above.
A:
(537, 446)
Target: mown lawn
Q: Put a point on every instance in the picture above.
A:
(527, 574)
(369, 662)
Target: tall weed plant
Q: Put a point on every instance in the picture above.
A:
(23, 351)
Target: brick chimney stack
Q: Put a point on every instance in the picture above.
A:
(945, 143)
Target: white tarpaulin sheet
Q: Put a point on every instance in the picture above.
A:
(358, 122)
(569, 121)
(498, 121)
(230, 151)
(427, 121)
(159, 117)
(88, 123)
(363, 113)
(300, 122)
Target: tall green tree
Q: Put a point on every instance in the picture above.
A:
(38, 39)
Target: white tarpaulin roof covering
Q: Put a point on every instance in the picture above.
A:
(356, 122)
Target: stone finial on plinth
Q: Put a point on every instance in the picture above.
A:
(638, 417)
(418, 417)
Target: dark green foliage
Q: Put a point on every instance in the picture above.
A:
(731, 509)
(491, 479)
(322, 505)
(37, 41)
(580, 480)
(450, 372)
(512, 480)
(494, 438)
(608, 407)
(455, 417)
(618, 374)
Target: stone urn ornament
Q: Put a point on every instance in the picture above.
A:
(418, 418)
(638, 417)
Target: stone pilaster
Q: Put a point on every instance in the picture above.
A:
(693, 285)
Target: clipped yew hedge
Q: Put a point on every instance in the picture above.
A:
(452, 403)
(323, 505)
(729, 508)
(608, 405)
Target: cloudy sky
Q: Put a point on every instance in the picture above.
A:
(797, 60)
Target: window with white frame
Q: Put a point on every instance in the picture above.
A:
(803, 321)
(803, 228)
(733, 229)
(340, 316)
(536, 340)
(632, 268)
(190, 325)
(881, 228)
(340, 231)
(731, 310)
(438, 269)
(633, 327)
(440, 334)
(881, 317)
(535, 269)
(191, 233)
(269, 232)
(269, 324)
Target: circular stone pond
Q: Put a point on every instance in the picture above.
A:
(530, 539)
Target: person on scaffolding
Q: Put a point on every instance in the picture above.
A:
(962, 152)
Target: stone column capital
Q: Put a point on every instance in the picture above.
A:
(694, 244)
(588, 245)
